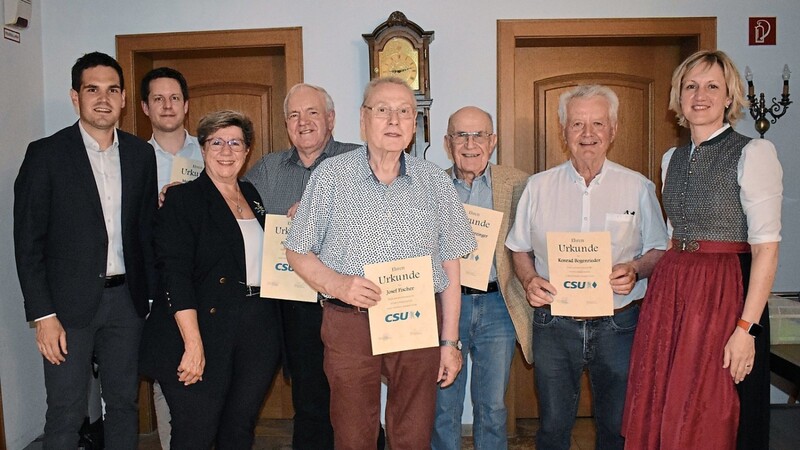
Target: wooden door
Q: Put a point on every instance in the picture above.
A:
(245, 70)
(538, 60)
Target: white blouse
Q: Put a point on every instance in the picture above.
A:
(760, 178)
(253, 236)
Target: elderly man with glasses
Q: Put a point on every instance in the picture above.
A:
(490, 318)
(374, 205)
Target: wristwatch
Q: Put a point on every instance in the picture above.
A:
(455, 344)
(752, 328)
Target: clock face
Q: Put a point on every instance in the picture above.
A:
(399, 59)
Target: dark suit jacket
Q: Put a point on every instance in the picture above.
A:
(60, 238)
(200, 258)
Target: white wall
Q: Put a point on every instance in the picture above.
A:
(463, 65)
(21, 121)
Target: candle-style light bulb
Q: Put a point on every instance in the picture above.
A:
(786, 73)
(748, 75)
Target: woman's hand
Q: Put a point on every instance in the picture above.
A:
(739, 354)
(193, 363)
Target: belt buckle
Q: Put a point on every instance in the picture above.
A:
(689, 246)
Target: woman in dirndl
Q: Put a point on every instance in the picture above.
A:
(703, 331)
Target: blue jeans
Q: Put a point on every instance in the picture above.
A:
(487, 335)
(562, 349)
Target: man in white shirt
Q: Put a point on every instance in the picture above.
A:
(165, 100)
(586, 193)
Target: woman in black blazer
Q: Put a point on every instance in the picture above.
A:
(210, 340)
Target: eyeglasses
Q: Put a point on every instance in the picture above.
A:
(384, 112)
(478, 137)
(218, 144)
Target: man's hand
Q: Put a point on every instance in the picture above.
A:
(623, 278)
(51, 340)
(539, 291)
(449, 365)
(193, 363)
(357, 291)
(292, 210)
(162, 195)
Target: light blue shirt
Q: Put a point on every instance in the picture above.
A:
(191, 150)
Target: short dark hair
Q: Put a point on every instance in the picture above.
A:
(90, 60)
(218, 120)
(163, 72)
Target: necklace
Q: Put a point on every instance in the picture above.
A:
(238, 206)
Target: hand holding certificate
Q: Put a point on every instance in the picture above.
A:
(579, 265)
(405, 318)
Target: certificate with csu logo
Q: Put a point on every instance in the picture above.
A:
(580, 264)
(278, 280)
(476, 266)
(405, 318)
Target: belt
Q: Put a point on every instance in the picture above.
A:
(252, 291)
(343, 305)
(691, 246)
(114, 280)
(470, 291)
(616, 311)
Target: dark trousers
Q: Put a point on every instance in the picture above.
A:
(223, 408)
(753, 432)
(310, 391)
(113, 337)
(754, 396)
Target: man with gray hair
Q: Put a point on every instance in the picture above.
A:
(586, 193)
(281, 178)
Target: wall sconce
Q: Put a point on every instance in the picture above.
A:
(759, 110)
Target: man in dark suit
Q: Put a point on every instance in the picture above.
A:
(83, 210)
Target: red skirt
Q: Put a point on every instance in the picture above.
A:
(679, 397)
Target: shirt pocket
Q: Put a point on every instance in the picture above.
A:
(622, 228)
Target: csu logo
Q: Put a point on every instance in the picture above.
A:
(398, 316)
(283, 267)
(579, 285)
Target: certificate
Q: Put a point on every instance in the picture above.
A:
(405, 318)
(185, 169)
(580, 264)
(278, 279)
(475, 267)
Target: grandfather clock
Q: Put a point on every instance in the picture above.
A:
(399, 47)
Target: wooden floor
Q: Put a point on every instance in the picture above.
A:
(276, 434)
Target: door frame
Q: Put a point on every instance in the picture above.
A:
(131, 49)
(698, 32)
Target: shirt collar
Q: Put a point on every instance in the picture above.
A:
(187, 141)
(486, 176)
(293, 157)
(367, 169)
(91, 144)
(576, 177)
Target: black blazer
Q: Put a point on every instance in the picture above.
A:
(60, 238)
(200, 259)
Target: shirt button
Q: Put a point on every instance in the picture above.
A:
(585, 219)
(212, 311)
(222, 280)
(586, 193)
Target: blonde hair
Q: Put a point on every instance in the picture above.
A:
(733, 84)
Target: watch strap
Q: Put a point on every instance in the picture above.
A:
(455, 344)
